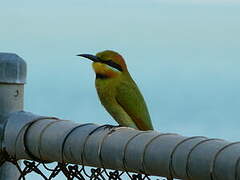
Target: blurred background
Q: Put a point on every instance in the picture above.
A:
(184, 56)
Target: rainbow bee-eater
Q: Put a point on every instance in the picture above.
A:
(118, 92)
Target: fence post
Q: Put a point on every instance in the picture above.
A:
(12, 80)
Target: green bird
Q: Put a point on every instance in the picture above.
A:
(118, 92)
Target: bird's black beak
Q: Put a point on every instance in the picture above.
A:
(91, 57)
(97, 59)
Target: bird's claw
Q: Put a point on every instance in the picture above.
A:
(108, 126)
(120, 126)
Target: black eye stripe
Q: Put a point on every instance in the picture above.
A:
(114, 65)
(101, 76)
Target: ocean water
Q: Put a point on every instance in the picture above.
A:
(183, 56)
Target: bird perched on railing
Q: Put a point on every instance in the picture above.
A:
(118, 92)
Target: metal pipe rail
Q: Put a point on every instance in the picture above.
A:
(28, 136)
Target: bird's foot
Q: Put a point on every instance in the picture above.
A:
(119, 126)
(108, 126)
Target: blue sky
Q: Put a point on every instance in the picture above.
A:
(184, 57)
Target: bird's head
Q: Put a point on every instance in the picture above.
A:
(107, 64)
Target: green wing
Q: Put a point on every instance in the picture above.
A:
(131, 100)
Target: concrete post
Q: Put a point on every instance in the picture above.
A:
(12, 79)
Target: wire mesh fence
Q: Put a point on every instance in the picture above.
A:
(57, 171)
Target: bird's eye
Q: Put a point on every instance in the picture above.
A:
(114, 65)
(112, 68)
